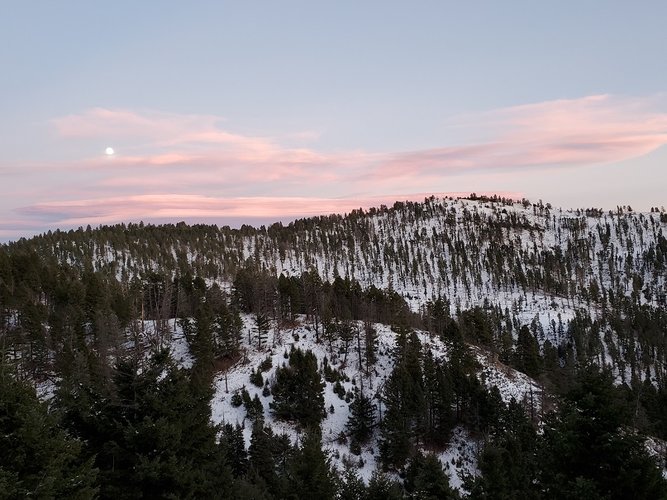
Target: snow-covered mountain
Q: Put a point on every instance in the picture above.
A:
(505, 302)
(458, 457)
(537, 264)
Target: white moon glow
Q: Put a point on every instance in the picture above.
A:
(109, 151)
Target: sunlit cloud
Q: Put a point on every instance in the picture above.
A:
(177, 207)
(562, 133)
(209, 171)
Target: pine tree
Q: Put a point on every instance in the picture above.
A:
(528, 353)
(425, 479)
(298, 390)
(438, 398)
(152, 436)
(37, 458)
(362, 418)
(370, 345)
(232, 444)
(260, 455)
(262, 327)
(227, 331)
(403, 396)
(398, 424)
(380, 487)
(586, 447)
(351, 485)
(310, 470)
(508, 463)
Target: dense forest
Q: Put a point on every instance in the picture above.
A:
(340, 356)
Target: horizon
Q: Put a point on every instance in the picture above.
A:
(259, 223)
(230, 114)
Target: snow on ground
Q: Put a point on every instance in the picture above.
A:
(459, 458)
(46, 389)
(179, 348)
(510, 382)
(658, 448)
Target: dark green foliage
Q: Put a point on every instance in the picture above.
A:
(438, 397)
(362, 418)
(266, 364)
(236, 399)
(370, 345)
(527, 353)
(476, 326)
(226, 331)
(298, 390)
(381, 487)
(437, 319)
(508, 463)
(586, 451)
(37, 458)
(151, 434)
(588, 448)
(200, 337)
(244, 294)
(425, 479)
(86, 307)
(232, 444)
(253, 406)
(261, 459)
(262, 327)
(339, 389)
(256, 378)
(403, 397)
(310, 470)
(351, 486)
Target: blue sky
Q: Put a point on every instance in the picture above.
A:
(254, 111)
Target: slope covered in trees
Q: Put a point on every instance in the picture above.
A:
(592, 280)
(351, 356)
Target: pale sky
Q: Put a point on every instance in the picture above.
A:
(250, 112)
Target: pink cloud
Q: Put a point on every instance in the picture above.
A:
(210, 171)
(166, 130)
(177, 207)
(562, 133)
(197, 145)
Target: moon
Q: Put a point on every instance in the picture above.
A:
(109, 151)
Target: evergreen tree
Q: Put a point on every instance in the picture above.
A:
(152, 435)
(586, 448)
(351, 486)
(37, 458)
(528, 353)
(381, 487)
(362, 418)
(403, 396)
(262, 327)
(438, 397)
(425, 479)
(298, 390)
(262, 465)
(232, 444)
(310, 470)
(227, 331)
(508, 462)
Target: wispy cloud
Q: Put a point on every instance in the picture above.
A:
(207, 170)
(562, 133)
(196, 207)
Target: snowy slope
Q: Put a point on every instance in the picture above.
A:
(459, 457)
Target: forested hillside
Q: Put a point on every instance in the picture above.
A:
(531, 264)
(478, 347)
